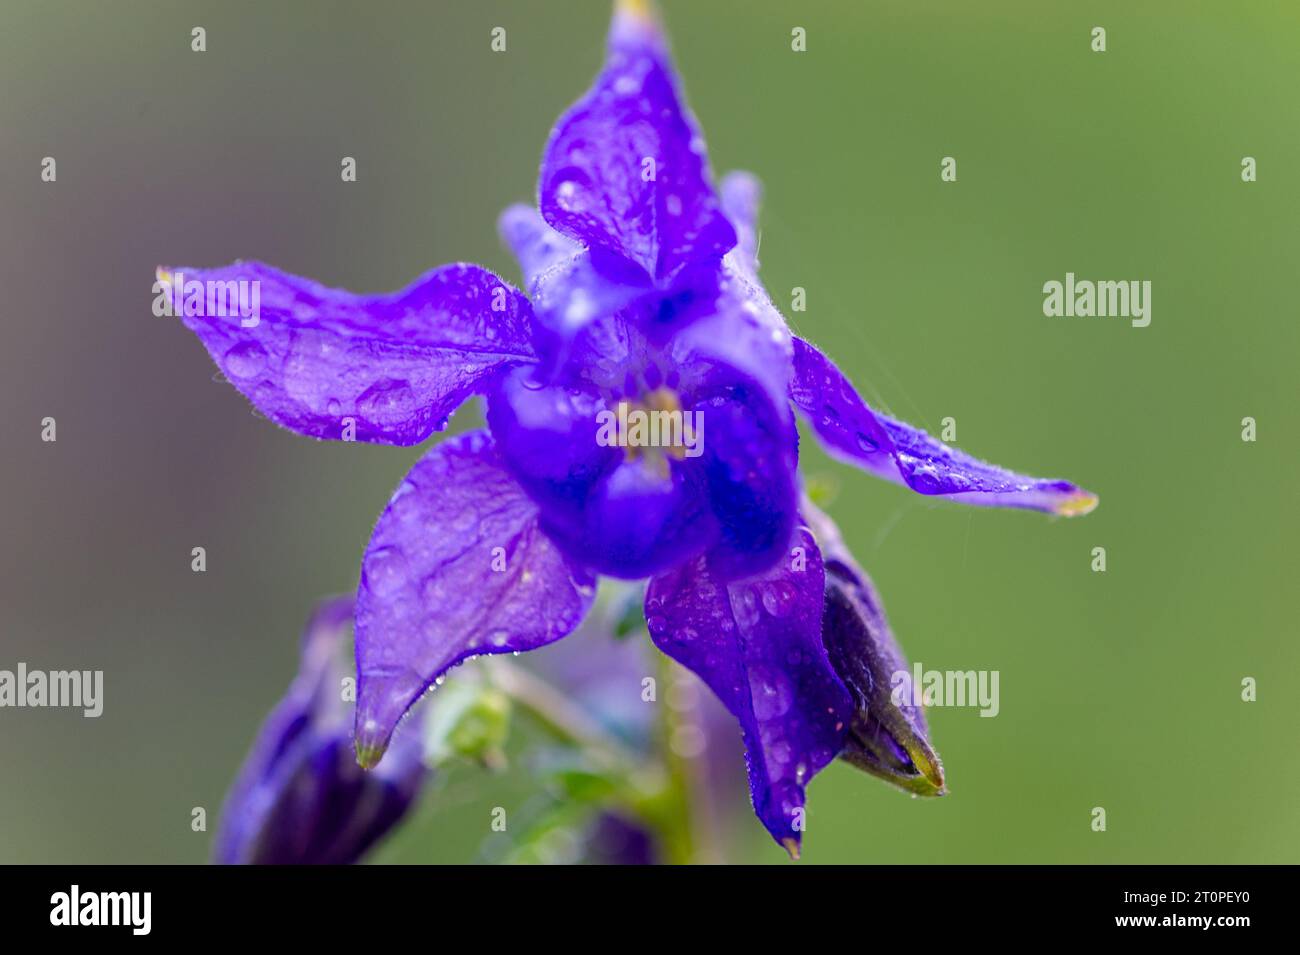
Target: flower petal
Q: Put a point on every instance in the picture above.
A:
(906, 455)
(625, 169)
(741, 194)
(300, 797)
(749, 460)
(735, 328)
(330, 364)
(569, 286)
(644, 516)
(617, 513)
(736, 369)
(757, 644)
(456, 567)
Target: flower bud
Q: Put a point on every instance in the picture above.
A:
(887, 734)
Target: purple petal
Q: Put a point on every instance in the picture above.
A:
(625, 169)
(644, 516)
(905, 455)
(750, 456)
(736, 329)
(456, 567)
(618, 514)
(330, 364)
(757, 644)
(741, 195)
(569, 285)
(539, 249)
(736, 365)
(300, 797)
(547, 435)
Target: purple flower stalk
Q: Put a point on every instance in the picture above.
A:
(642, 297)
(300, 798)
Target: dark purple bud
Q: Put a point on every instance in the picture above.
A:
(612, 839)
(301, 798)
(887, 734)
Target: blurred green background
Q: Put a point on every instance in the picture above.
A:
(1119, 690)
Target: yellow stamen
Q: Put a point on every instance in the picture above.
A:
(658, 456)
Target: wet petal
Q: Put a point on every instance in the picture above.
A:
(569, 285)
(741, 195)
(644, 516)
(906, 455)
(736, 368)
(539, 249)
(888, 736)
(300, 798)
(733, 332)
(757, 644)
(749, 460)
(330, 364)
(546, 435)
(625, 170)
(456, 567)
(616, 511)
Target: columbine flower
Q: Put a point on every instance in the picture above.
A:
(642, 295)
(300, 798)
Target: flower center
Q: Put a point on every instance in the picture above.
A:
(653, 429)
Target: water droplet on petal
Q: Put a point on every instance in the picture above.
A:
(744, 605)
(571, 190)
(385, 570)
(245, 360)
(387, 402)
(778, 598)
(770, 691)
(925, 480)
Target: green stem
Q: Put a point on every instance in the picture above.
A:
(559, 716)
(662, 793)
(677, 817)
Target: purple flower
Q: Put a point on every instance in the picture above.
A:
(642, 302)
(300, 797)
